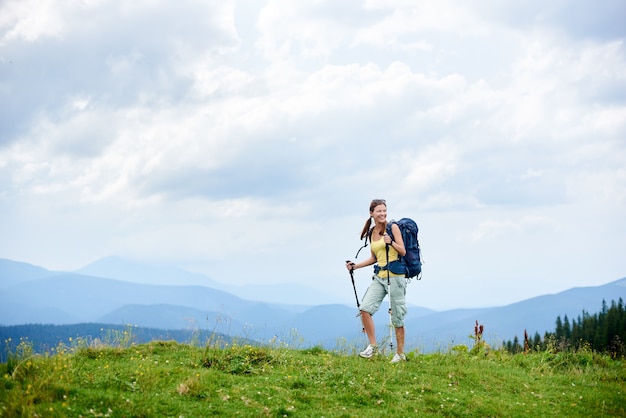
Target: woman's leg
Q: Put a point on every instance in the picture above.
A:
(400, 340)
(371, 302)
(368, 324)
(398, 308)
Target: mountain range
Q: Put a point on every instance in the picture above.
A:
(119, 292)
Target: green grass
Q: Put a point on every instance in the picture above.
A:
(168, 379)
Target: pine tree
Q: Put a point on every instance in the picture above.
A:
(559, 328)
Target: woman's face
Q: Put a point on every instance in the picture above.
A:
(380, 213)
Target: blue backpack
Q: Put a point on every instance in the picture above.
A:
(411, 263)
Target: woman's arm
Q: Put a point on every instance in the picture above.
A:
(398, 242)
(368, 262)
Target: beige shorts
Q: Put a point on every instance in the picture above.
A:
(377, 291)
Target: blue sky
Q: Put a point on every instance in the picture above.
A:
(245, 139)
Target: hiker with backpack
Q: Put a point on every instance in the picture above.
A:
(387, 250)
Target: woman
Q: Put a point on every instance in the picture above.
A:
(384, 248)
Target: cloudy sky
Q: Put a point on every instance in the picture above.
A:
(245, 139)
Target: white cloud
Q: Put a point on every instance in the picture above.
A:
(491, 229)
(151, 129)
(30, 20)
(431, 167)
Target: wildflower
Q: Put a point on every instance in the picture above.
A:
(182, 389)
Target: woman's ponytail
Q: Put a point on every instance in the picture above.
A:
(366, 227)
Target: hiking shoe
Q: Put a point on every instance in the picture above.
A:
(397, 358)
(368, 352)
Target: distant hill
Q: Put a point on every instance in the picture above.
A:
(537, 314)
(14, 272)
(130, 271)
(136, 272)
(32, 295)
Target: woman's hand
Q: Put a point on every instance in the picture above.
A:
(387, 238)
(350, 265)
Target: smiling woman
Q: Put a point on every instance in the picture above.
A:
(384, 247)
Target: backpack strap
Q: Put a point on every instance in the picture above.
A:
(390, 233)
(389, 230)
(368, 235)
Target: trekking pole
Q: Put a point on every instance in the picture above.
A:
(356, 296)
(389, 292)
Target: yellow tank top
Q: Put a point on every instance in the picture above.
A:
(378, 248)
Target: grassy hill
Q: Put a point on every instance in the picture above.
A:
(165, 378)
